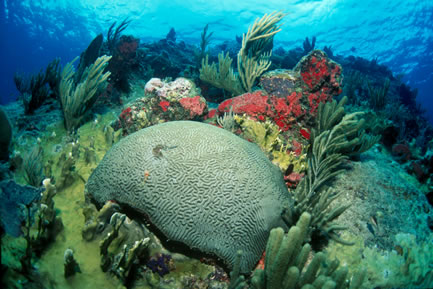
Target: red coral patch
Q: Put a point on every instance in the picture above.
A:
(193, 104)
(164, 105)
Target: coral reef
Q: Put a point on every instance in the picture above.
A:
(177, 203)
(96, 222)
(205, 165)
(66, 165)
(159, 264)
(20, 207)
(204, 45)
(163, 101)
(378, 95)
(406, 265)
(227, 121)
(309, 46)
(224, 77)
(290, 97)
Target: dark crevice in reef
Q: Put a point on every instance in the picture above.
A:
(172, 245)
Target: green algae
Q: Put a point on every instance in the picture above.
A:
(69, 202)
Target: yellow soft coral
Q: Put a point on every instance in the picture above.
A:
(283, 158)
(264, 134)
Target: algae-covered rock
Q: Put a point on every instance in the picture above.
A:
(199, 184)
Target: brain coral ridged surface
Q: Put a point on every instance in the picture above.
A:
(199, 184)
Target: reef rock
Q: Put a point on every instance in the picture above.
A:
(199, 185)
(163, 101)
(290, 96)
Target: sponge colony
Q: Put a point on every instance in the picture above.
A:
(198, 184)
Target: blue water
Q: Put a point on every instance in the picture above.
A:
(398, 33)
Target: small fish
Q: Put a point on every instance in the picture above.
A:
(157, 150)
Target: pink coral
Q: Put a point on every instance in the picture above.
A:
(258, 105)
(211, 114)
(251, 103)
(194, 104)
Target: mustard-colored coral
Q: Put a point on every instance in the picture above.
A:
(264, 134)
(268, 137)
(283, 158)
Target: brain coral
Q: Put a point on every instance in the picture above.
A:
(199, 184)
